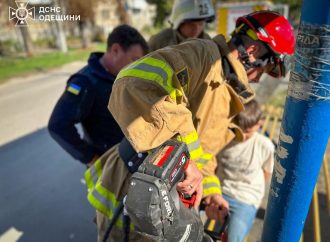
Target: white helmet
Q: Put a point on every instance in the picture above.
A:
(191, 10)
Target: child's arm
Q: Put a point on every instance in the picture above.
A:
(267, 176)
(268, 167)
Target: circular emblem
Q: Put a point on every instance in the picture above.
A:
(21, 13)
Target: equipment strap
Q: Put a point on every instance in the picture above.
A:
(131, 158)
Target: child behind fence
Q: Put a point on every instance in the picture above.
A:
(243, 168)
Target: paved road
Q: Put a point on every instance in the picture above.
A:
(42, 194)
(26, 102)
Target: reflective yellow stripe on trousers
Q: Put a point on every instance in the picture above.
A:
(152, 69)
(99, 197)
(93, 174)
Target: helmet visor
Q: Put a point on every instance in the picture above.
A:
(281, 66)
(278, 65)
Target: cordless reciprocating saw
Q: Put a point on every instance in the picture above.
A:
(155, 207)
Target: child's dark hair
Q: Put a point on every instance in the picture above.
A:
(251, 115)
(126, 36)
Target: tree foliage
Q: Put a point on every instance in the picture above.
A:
(163, 10)
(86, 8)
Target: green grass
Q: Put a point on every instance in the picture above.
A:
(18, 66)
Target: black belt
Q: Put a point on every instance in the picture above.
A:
(131, 158)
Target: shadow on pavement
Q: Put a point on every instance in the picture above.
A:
(324, 221)
(42, 195)
(308, 228)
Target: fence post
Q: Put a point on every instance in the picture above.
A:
(316, 216)
(305, 127)
(327, 181)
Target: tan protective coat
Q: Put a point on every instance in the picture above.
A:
(148, 116)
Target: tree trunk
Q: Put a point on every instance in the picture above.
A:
(60, 35)
(27, 41)
(123, 16)
(84, 34)
(23, 30)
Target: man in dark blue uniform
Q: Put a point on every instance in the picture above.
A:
(86, 97)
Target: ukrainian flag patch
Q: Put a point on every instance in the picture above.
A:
(73, 88)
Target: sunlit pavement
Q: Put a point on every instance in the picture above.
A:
(42, 197)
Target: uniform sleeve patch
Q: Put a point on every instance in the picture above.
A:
(73, 88)
(183, 76)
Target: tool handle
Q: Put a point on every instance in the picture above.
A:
(188, 200)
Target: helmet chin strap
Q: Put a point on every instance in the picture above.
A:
(244, 56)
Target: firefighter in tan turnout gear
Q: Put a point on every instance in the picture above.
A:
(188, 92)
(188, 20)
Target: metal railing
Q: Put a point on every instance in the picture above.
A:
(271, 127)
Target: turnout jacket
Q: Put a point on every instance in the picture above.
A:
(181, 92)
(168, 37)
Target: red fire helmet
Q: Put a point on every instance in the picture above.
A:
(271, 28)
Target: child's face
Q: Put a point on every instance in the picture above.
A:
(250, 131)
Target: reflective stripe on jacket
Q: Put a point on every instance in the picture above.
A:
(181, 92)
(177, 92)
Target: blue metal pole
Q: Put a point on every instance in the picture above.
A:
(305, 127)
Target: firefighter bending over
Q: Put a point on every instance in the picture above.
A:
(189, 92)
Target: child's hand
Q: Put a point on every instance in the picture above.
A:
(216, 207)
